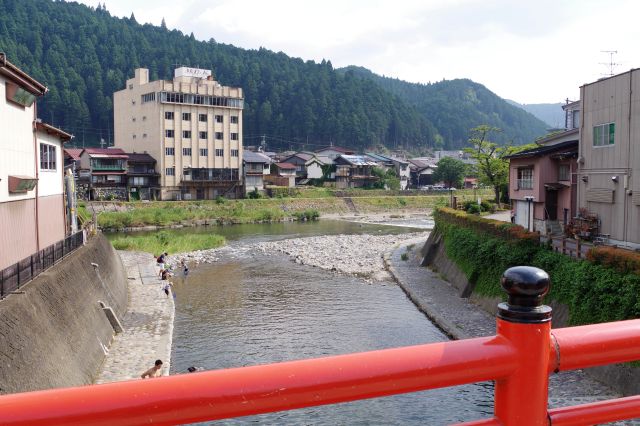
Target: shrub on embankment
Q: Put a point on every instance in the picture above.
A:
(604, 288)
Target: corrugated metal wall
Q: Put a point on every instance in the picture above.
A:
(17, 231)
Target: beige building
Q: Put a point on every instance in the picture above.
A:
(191, 125)
(609, 156)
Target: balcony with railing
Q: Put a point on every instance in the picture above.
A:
(205, 175)
(140, 170)
(104, 164)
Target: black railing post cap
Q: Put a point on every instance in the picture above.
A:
(526, 286)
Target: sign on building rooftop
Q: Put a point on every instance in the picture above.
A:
(192, 72)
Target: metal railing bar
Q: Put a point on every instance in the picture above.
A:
(597, 412)
(235, 392)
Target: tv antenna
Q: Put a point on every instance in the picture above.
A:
(610, 64)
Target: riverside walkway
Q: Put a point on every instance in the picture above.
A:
(148, 323)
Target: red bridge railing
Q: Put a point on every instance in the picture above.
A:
(519, 358)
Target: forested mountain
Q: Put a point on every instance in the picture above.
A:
(84, 55)
(550, 114)
(455, 106)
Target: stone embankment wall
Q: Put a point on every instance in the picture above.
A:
(54, 331)
(622, 377)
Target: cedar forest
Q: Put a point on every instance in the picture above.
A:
(84, 55)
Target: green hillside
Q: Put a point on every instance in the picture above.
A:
(84, 55)
(455, 106)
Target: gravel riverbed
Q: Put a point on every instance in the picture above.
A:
(357, 255)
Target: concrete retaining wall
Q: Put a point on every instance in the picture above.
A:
(54, 332)
(621, 377)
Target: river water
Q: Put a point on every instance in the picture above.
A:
(251, 308)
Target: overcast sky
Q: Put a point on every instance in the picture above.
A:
(528, 51)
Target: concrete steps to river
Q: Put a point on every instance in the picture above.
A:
(148, 323)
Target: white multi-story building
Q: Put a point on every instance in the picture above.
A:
(191, 125)
(32, 213)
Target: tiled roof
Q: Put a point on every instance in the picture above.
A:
(336, 148)
(141, 158)
(255, 157)
(73, 153)
(48, 128)
(357, 160)
(546, 149)
(305, 156)
(104, 151)
(285, 166)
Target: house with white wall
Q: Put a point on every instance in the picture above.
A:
(31, 169)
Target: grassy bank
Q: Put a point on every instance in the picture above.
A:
(164, 242)
(302, 207)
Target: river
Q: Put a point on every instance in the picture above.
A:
(251, 308)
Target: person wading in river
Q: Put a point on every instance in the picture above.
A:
(155, 371)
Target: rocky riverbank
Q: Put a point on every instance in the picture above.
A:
(357, 255)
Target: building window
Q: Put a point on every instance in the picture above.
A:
(131, 87)
(47, 157)
(563, 172)
(186, 116)
(219, 152)
(144, 135)
(234, 152)
(186, 134)
(187, 98)
(525, 178)
(168, 133)
(234, 119)
(134, 136)
(604, 134)
(168, 115)
(219, 119)
(575, 119)
(170, 171)
(202, 118)
(133, 119)
(144, 118)
(234, 136)
(204, 152)
(219, 135)
(203, 135)
(186, 152)
(148, 97)
(139, 180)
(170, 151)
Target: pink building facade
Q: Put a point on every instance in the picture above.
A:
(542, 184)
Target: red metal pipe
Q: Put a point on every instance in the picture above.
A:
(521, 398)
(595, 344)
(486, 422)
(260, 389)
(597, 412)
